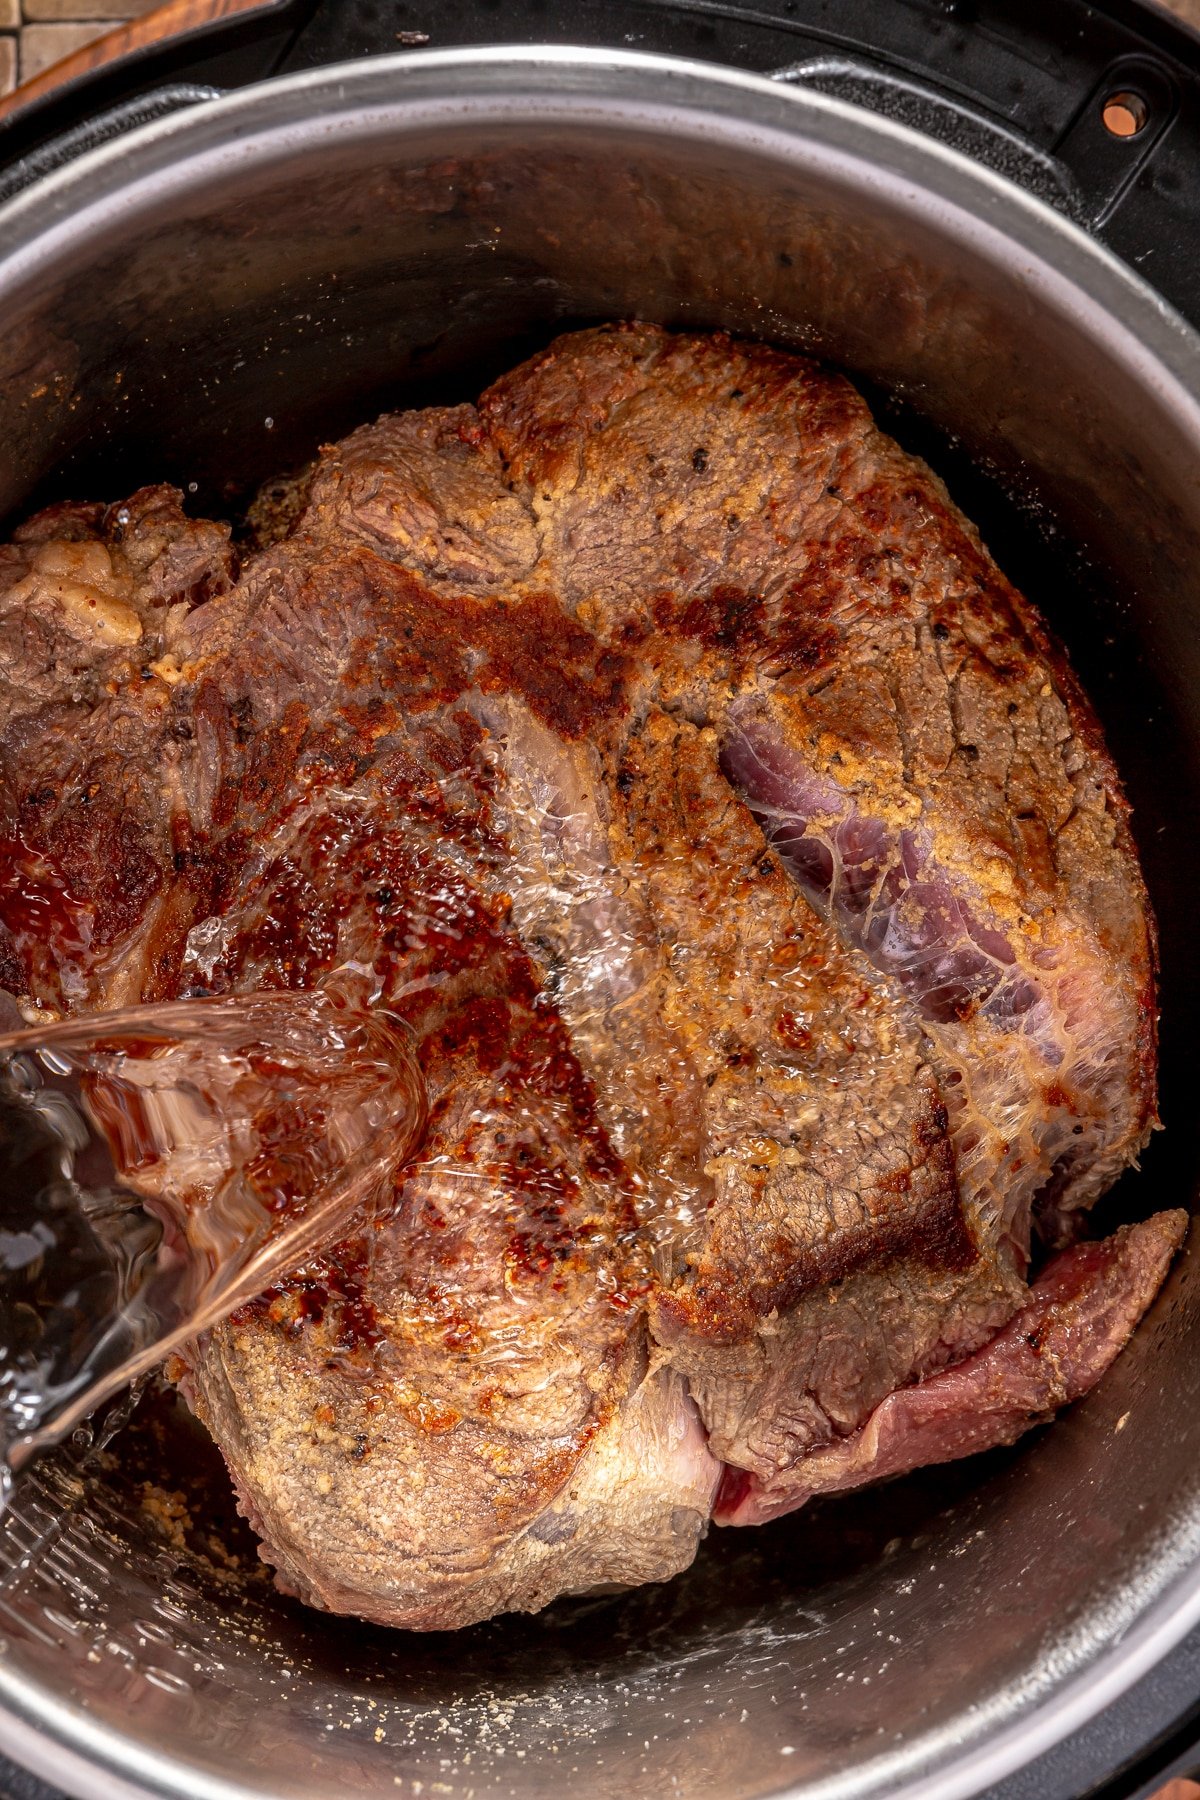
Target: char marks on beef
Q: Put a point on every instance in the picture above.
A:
(662, 745)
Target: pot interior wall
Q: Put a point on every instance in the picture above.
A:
(215, 328)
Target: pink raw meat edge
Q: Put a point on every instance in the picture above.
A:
(1080, 1314)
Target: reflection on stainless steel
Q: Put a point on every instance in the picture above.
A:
(219, 292)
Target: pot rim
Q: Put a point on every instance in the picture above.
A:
(1059, 263)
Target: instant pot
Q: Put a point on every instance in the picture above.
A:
(217, 253)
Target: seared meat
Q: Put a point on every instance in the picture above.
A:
(892, 710)
(1080, 1311)
(661, 744)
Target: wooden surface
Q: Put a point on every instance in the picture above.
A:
(44, 43)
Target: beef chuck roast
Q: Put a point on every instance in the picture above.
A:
(661, 744)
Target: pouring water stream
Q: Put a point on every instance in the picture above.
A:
(164, 1164)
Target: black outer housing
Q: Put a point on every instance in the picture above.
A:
(1018, 84)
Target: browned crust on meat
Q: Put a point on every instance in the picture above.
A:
(750, 1156)
(743, 1276)
(763, 529)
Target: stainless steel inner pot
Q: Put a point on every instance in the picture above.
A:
(208, 298)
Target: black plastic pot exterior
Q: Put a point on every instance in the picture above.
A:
(207, 297)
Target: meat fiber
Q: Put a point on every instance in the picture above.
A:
(661, 744)
(1052, 1350)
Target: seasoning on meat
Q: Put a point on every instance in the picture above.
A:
(658, 740)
